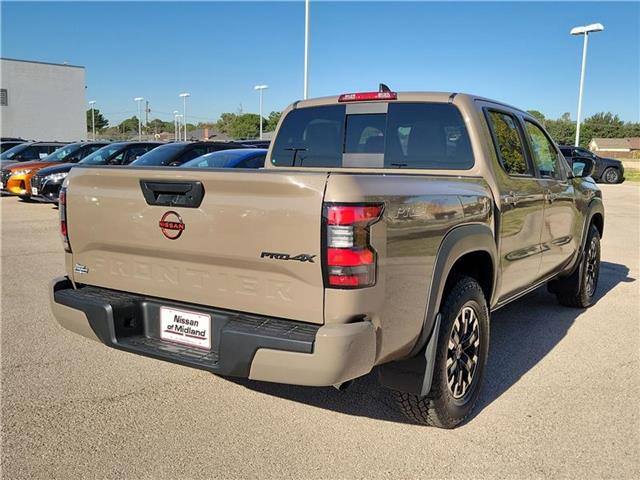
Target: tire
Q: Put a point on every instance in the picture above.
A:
(448, 406)
(578, 290)
(611, 175)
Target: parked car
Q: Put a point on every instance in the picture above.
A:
(383, 230)
(607, 170)
(253, 143)
(240, 158)
(46, 183)
(7, 144)
(28, 151)
(177, 153)
(17, 177)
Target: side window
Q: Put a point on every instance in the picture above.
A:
(543, 152)
(134, 153)
(253, 162)
(190, 155)
(426, 135)
(508, 143)
(30, 153)
(117, 160)
(45, 151)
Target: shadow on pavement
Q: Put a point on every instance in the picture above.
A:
(537, 321)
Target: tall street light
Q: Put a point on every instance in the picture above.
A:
(306, 48)
(178, 120)
(175, 125)
(93, 120)
(261, 88)
(585, 30)
(184, 112)
(139, 100)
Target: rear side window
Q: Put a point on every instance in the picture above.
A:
(409, 135)
(508, 143)
(427, 135)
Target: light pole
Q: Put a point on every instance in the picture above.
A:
(585, 30)
(184, 112)
(306, 48)
(261, 88)
(139, 100)
(93, 120)
(178, 120)
(175, 125)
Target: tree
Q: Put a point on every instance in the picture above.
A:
(537, 115)
(272, 121)
(224, 124)
(101, 122)
(158, 126)
(246, 125)
(129, 125)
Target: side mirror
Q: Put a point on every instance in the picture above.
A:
(583, 167)
(114, 161)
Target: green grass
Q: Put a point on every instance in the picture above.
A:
(632, 176)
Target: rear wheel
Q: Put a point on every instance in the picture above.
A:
(578, 290)
(611, 175)
(461, 356)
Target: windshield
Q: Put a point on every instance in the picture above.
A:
(162, 155)
(410, 135)
(223, 159)
(9, 154)
(100, 157)
(63, 152)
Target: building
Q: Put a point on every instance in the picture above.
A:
(42, 101)
(616, 147)
(207, 135)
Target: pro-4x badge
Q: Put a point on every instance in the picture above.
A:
(78, 268)
(303, 257)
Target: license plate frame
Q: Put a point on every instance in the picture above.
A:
(185, 327)
(34, 191)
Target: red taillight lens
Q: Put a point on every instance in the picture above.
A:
(62, 205)
(350, 260)
(364, 96)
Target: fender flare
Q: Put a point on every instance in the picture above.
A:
(414, 374)
(595, 207)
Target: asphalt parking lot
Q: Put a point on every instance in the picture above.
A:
(560, 397)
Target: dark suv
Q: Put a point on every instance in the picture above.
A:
(607, 170)
(45, 186)
(177, 153)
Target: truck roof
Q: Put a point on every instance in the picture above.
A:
(440, 97)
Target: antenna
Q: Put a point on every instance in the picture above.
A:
(383, 88)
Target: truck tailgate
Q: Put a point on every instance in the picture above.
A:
(217, 259)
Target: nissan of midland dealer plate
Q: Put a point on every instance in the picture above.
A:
(188, 328)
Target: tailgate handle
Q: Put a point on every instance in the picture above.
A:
(170, 194)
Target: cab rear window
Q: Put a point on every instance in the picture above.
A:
(409, 135)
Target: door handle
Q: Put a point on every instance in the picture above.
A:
(510, 198)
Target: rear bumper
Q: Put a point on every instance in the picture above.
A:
(243, 345)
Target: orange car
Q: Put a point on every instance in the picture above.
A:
(16, 178)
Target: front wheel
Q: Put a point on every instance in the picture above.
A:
(578, 290)
(461, 356)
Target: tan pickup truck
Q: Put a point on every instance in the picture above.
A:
(383, 230)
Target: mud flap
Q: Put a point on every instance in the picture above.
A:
(413, 375)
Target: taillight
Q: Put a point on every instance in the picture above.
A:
(350, 260)
(62, 205)
(367, 96)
